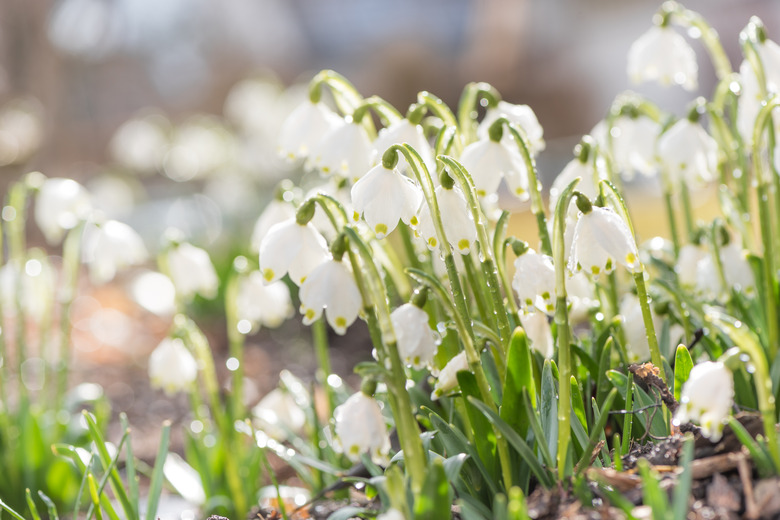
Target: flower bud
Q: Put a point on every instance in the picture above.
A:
(707, 397)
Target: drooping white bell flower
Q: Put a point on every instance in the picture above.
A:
(192, 272)
(261, 304)
(707, 397)
(304, 128)
(391, 514)
(537, 328)
(601, 238)
(633, 324)
(581, 297)
(633, 145)
(111, 246)
(361, 428)
(687, 265)
(276, 211)
(752, 96)
(172, 367)
(488, 161)
(33, 285)
(416, 341)
(456, 218)
(291, 248)
(588, 185)
(383, 196)
(689, 153)
(662, 55)
(338, 189)
(521, 115)
(332, 287)
(448, 377)
(344, 151)
(400, 132)
(736, 271)
(278, 415)
(60, 205)
(534, 282)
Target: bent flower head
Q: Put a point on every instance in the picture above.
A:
(664, 56)
(416, 341)
(384, 196)
(332, 287)
(60, 206)
(192, 272)
(361, 428)
(172, 367)
(291, 248)
(707, 397)
(601, 238)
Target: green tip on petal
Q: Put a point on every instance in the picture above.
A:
(310, 314)
(413, 221)
(380, 229)
(432, 242)
(463, 244)
(341, 322)
(268, 274)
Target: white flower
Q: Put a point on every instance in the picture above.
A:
(278, 415)
(707, 397)
(339, 190)
(601, 238)
(523, 116)
(588, 185)
(172, 367)
(488, 161)
(331, 286)
(294, 248)
(140, 143)
(391, 514)
(263, 304)
(448, 377)
(110, 246)
(751, 97)
(304, 128)
(400, 132)
(60, 206)
(534, 281)
(689, 153)
(345, 151)
(417, 343)
(580, 297)
(537, 328)
(458, 225)
(633, 145)
(383, 196)
(192, 272)
(34, 286)
(664, 56)
(687, 265)
(736, 271)
(276, 211)
(633, 325)
(361, 428)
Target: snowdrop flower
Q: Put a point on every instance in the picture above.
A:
(707, 397)
(521, 115)
(276, 211)
(345, 151)
(664, 56)
(60, 206)
(689, 153)
(263, 304)
(278, 415)
(383, 196)
(331, 286)
(110, 246)
(361, 428)
(400, 132)
(417, 343)
(191, 271)
(489, 160)
(534, 281)
(290, 247)
(601, 238)
(537, 328)
(458, 225)
(172, 367)
(304, 128)
(448, 377)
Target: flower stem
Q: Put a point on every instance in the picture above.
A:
(319, 332)
(709, 36)
(647, 318)
(235, 341)
(467, 107)
(71, 258)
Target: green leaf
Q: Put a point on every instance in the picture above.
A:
(760, 457)
(519, 376)
(549, 409)
(577, 404)
(155, 485)
(682, 369)
(605, 362)
(50, 506)
(586, 361)
(11, 511)
(31, 505)
(483, 435)
(434, 503)
(533, 420)
(345, 513)
(132, 478)
(682, 490)
(652, 493)
(597, 431)
(641, 400)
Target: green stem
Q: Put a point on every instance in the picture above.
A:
(235, 341)
(685, 196)
(671, 217)
(709, 36)
(499, 253)
(476, 281)
(320, 337)
(647, 318)
(468, 110)
(71, 261)
(443, 112)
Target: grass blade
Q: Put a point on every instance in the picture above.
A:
(156, 483)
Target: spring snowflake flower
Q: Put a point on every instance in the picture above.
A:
(261, 304)
(689, 153)
(417, 343)
(110, 246)
(60, 206)
(736, 271)
(633, 325)
(331, 286)
(537, 328)
(391, 514)
(291, 248)
(448, 377)
(534, 281)
(192, 272)
(278, 415)
(707, 397)
(521, 115)
(383, 196)
(276, 211)
(400, 132)
(304, 128)
(458, 225)
(588, 185)
(601, 238)
(488, 161)
(361, 428)
(664, 56)
(344, 151)
(633, 145)
(32, 286)
(172, 367)
(687, 265)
